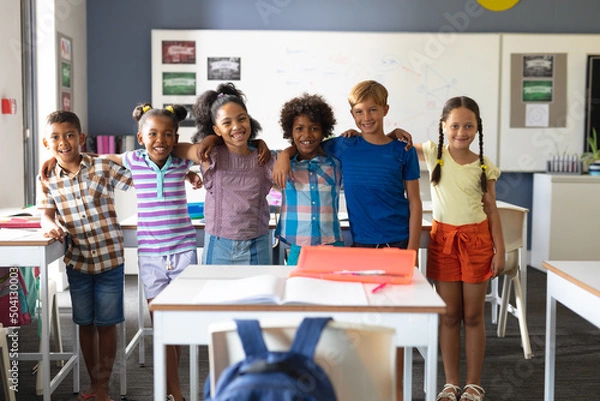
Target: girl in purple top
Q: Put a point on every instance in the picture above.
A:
(236, 210)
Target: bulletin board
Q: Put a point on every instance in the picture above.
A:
(420, 70)
(528, 148)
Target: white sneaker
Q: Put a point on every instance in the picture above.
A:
(170, 397)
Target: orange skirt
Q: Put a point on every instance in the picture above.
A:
(460, 253)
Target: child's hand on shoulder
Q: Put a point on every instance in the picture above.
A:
(264, 153)
(194, 179)
(350, 133)
(282, 169)
(403, 136)
(46, 168)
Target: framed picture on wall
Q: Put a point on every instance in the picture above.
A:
(65, 82)
(224, 68)
(179, 83)
(538, 65)
(179, 52)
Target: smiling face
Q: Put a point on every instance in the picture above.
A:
(460, 128)
(63, 141)
(368, 116)
(158, 135)
(307, 136)
(232, 123)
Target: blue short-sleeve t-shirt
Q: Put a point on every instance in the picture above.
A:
(373, 180)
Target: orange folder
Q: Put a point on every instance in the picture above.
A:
(367, 265)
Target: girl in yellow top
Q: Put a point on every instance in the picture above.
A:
(466, 246)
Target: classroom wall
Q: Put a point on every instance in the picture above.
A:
(119, 33)
(116, 86)
(11, 126)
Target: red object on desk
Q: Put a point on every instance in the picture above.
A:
(366, 265)
(20, 222)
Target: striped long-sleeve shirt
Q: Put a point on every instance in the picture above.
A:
(164, 224)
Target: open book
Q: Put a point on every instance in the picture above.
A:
(269, 289)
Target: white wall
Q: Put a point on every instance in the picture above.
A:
(11, 126)
(69, 18)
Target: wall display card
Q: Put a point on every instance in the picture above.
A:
(179, 83)
(536, 115)
(224, 68)
(65, 72)
(178, 52)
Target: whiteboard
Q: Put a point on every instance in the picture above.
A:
(420, 70)
(527, 149)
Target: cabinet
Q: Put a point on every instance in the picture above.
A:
(565, 218)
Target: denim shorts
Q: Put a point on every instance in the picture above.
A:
(223, 251)
(155, 274)
(97, 298)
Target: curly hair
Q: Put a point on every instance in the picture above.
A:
(451, 104)
(143, 111)
(208, 104)
(314, 107)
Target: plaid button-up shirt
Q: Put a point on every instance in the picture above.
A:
(84, 204)
(309, 212)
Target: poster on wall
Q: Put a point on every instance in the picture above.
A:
(65, 72)
(541, 65)
(538, 96)
(178, 52)
(224, 68)
(179, 83)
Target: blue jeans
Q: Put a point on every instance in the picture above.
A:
(97, 298)
(223, 251)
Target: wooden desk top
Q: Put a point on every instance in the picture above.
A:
(417, 297)
(18, 237)
(585, 274)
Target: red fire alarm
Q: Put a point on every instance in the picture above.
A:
(9, 106)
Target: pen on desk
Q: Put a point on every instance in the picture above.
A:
(379, 287)
(361, 272)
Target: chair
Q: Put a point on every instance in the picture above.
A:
(359, 359)
(512, 229)
(5, 365)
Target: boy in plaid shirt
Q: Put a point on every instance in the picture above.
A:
(77, 203)
(309, 211)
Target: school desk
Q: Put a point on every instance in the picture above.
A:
(178, 320)
(575, 284)
(129, 228)
(30, 248)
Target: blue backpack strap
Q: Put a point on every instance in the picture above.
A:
(251, 336)
(308, 335)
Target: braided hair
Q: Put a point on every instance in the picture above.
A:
(451, 104)
(143, 111)
(208, 104)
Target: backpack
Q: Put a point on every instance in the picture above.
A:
(275, 376)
